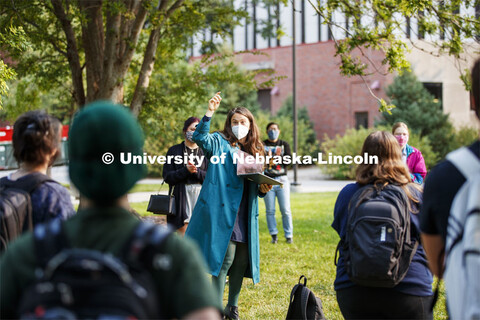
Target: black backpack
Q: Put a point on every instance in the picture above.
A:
(16, 214)
(379, 245)
(74, 283)
(304, 304)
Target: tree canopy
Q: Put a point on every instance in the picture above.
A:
(93, 45)
(452, 27)
(88, 50)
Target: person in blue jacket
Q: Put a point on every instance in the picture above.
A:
(412, 297)
(224, 222)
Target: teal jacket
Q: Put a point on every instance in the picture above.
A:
(214, 215)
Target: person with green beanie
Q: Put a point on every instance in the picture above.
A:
(100, 133)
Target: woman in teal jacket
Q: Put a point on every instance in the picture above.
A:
(224, 222)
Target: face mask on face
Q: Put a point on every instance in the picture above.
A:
(273, 134)
(240, 131)
(402, 140)
(189, 136)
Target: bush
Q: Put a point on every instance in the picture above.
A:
(420, 111)
(351, 144)
(306, 136)
(464, 136)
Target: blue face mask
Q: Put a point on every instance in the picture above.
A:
(189, 136)
(273, 134)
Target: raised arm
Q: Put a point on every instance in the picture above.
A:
(201, 135)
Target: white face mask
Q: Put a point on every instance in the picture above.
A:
(240, 131)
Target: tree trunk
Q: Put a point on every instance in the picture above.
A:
(93, 42)
(72, 53)
(122, 38)
(145, 72)
(149, 59)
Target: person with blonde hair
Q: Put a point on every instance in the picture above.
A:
(224, 222)
(411, 297)
(411, 156)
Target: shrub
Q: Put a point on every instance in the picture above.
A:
(420, 111)
(464, 136)
(351, 144)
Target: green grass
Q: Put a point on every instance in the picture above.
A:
(148, 188)
(281, 265)
(139, 187)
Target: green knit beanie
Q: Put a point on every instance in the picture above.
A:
(99, 129)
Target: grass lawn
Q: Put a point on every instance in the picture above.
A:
(281, 265)
(139, 187)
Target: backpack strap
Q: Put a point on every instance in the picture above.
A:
(465, 161)
(303, 301)
(145, 242)
(49, 239)
(303, 296)
(27, 183)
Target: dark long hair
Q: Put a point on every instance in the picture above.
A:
(253, 144)
(390, 168)
(35, 136)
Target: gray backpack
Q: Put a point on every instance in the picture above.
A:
(462, 273)
(379, 245)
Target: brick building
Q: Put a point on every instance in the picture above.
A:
(335, 102)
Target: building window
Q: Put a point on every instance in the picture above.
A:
(421, 27)
(477, 16)
(361, 120)
(265, 99)
(435, 89)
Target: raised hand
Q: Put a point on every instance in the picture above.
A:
(214, 102)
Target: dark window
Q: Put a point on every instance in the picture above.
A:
(477, 16)
(421, 28)
(361, 120)
(407, 33)
(265, 99)
(319, 28)
(303, 21)
(277, 13)
(246, 26)
(435, 89)
(254, 25)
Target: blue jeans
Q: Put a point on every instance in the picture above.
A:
(283, 195)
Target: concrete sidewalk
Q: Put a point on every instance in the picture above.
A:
(311, 179)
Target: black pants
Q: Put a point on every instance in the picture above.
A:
(382, 303)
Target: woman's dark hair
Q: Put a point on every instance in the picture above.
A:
(188, 122)
(35, 136)
(390, 168)
(253, 144)
(271, 124)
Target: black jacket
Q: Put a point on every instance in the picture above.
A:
(177, 175)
